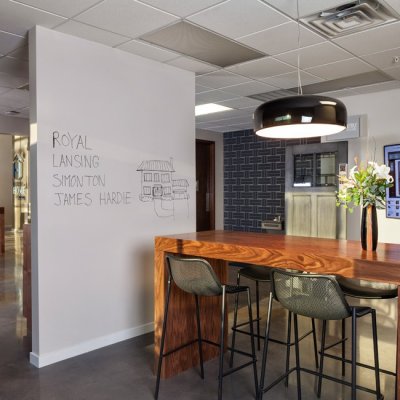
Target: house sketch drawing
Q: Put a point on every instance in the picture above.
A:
(159, 186)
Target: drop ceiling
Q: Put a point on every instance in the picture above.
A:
(363, 57)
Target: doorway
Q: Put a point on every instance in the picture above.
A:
(205, 185)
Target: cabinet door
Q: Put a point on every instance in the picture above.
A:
(312, 214)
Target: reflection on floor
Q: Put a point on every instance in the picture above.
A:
(124, 371)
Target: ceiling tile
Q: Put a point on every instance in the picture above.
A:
(201, 44)
(147, 50)
(340, 69)
(220, 79)
(339, 93)
(4, 89)
(318, 54)
(182, 8)
(126, 17)
(201, 89)
(15, 98)
(91, 33)
(10, 42)
(290, 80)
(67, 8)
(262, 68)
(281, 39)
(373, 40)
(213, 96)
(249, 88)
(306, 7)
(393, 72)
(11, 81)
(22, 112)
(14, 67)
(18, 18)
(21, 53)
(384, 59)
(241, 102)
(190, 64)
(378, 87)
(237, 18)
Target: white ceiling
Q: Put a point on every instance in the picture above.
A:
(268, 26)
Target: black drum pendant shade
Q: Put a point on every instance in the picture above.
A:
(300, 116)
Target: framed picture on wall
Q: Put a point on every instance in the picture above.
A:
(392, 159)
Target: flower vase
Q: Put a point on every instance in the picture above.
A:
(369, 228)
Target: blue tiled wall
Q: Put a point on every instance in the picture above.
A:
(254, 179)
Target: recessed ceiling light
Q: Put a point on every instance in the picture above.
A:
(210, 108)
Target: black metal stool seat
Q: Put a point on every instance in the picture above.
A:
(261, 274)
(367, 290)
(320, 297)
(195, 276)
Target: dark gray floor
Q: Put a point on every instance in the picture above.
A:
(124, 371)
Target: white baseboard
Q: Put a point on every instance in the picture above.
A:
(43, 360)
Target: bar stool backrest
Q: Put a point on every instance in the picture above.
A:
(310, 295)
(194, 276)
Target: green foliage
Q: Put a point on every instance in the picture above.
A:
(364, 186)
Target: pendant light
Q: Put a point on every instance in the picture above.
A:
(300, 116)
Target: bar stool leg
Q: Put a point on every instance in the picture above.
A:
(221, 346)
(321, 361)
(199, 340)
(234, 322)
(343, 347)
(315, 342)
(288, 345)
(296, 345)
(258, 315)
(353, 354)
(265, 350)
(164, 328)
(376, 357)
(253, 349)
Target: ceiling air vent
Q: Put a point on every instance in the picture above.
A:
(350, 18)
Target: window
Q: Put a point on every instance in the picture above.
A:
(146, 190)
(315, 169)
(156, 177)
(165, 178)
(167, 190)
(148, 176)
(325, 169)
(303, 170)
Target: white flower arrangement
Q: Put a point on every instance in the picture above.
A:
(365, 186)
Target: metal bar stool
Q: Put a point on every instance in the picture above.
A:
(196, 276)
(367, 290)
(260, 274)
(320, 297)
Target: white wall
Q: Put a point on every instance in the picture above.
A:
(6, 178)
(93, 263)
(382, 128)
(218, 138)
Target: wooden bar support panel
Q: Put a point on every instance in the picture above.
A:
(327, 256)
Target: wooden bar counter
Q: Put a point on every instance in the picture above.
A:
(327, 256)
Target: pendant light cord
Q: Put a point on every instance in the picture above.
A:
(299, 87)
